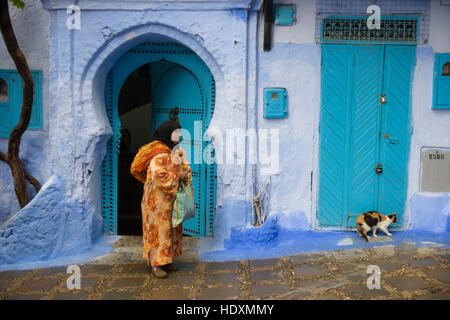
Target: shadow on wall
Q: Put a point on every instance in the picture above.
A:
(254, 237)
(278, 228)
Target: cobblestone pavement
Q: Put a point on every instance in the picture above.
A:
(407, 272)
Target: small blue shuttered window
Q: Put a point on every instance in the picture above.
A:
(441, 90)
(11, 98)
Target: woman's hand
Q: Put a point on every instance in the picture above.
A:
(181, 160)
(182, 173)
(180, 157)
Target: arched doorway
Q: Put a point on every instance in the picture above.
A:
(163, 74)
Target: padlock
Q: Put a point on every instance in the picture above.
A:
(379, 168)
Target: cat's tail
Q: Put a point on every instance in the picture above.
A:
(361, 231)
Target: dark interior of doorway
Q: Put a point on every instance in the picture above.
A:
(135, 115)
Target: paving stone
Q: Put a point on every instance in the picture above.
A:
(5, 284)
(25, 297)
(357, 276)
(268, 275)
(384, 251)
(360, 291)
(190, 255)
(307, 258)
(446, 257)
(297, 294)
(87, 282)
(170, 294)
(265, 264)
(408, 283)
(432, 244)
(330, 284)
(351, 254)
(121, 295)
(186, 266)
(403, 258)
(327, 297)
(76, 295)
(389, 266)
(442, 252)
(310, 271)
(221, 278)
(441, 275)
(220, 293)
(379, 238)
(228, 266)
(266, 290)
(406, 248)
(425, 250)
(95, 268)
(175, 280)
(129, 282)
(53, 271)
(13, 274)
(423, 262)
(38, 285)
(141, 268)
(352, 267)
(434, 297)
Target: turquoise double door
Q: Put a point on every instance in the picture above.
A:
(364, 131)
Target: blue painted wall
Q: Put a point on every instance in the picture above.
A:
(34, 146)
(228, 38)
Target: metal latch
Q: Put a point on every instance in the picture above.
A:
(379, 168)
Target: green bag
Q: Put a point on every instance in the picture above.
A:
(183, 206)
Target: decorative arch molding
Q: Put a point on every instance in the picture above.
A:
(92, 118)
(105, 57)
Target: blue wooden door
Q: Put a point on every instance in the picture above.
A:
(335, 127)
(176, 86)
(179, 78)
(396, 128)
(365, 125)
(353, 126)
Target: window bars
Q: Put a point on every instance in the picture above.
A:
(373, 21)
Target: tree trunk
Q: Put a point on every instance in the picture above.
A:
(12, 158)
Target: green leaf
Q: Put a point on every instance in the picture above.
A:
(18, 3)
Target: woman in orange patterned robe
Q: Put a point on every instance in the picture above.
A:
(161, 173)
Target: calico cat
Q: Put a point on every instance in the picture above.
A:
(373, 220)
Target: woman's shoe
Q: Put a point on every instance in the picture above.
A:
(158, 272)
(170, 267)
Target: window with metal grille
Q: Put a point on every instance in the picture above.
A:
(347, 21)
